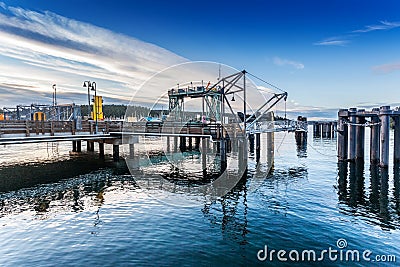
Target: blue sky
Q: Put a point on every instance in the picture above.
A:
(326, 54)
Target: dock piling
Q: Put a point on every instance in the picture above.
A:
(352, 134)
(360, 135)
(384, 115)
(396, 151)
(116, 153)
(342, 135)
(374, 141)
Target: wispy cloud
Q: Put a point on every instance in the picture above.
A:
(346, 39)
(334, 41)
(386, 68)
(285, 62)
(384, 25)
(38, 49)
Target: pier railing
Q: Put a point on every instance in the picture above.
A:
(29, 128)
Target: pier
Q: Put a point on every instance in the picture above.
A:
(221, 127)
(351, 134)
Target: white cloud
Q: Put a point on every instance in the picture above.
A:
(283, 62)
(386, 68)
(384, 25)
(334, 41)
(39, 49)
(344, 40)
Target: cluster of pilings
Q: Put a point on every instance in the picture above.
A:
(324, 129)
(77, 146)
(351, 134)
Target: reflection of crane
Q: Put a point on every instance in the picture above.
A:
(232, 215)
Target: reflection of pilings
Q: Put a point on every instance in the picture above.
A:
(360, 136)
(384, 114)
(73, 146)
(352, 134)
(352, 184)
(374, 142)
(383, 198)
(396, 178)
(374, 187)
(342, 181)
(342, 135)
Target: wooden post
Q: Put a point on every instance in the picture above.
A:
(204, 155)
(168, 145)
(175, 144)
(342, 135)
(107, 127)
(315, 127)
(190, 143)
(182, 144)
(352, 134)
(241, 154)
(360, 135)
(131, 151)
(52, 128)
(116, 153)
(73, 146)
(384, 115)
(101, 150)
(396, 151)
(27, 128)
(375, 135)
(258, 146)
(223, 154)
(197, 143)
(251, 141)
(78, 146)
(323, 129)
(334, 129)
(42, 126)
(73, 127)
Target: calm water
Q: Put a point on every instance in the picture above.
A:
(58, 208)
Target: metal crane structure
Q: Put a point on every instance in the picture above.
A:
(215, 103)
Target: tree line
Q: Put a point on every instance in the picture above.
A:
(119, 111)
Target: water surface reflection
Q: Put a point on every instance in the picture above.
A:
(374, 203)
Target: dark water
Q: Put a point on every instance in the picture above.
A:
(69, 210)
